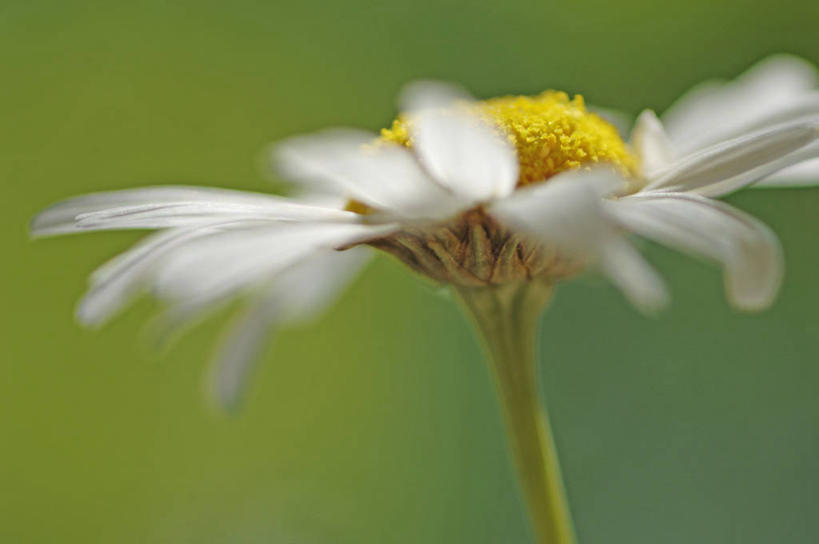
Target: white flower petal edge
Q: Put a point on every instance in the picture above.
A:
(119, 280)
(567, 213)
(719, 110)
(778, 90)
(211, 268)
(748, 250)
(297, 295)
(203, 265)
(172, 206)
(650, 142)
(462, 152)
(632, 274)
(733, 164)
(426, 94)
(801, 175)
(465, 154)
(385, 177)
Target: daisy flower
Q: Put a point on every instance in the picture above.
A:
(501, 199)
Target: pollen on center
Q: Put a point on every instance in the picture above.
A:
(551, 132)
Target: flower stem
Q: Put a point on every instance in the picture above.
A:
(507, 318)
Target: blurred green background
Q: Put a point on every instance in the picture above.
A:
(379, 423)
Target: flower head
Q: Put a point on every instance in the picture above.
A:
(472, 193)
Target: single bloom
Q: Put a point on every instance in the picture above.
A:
(500, 199)
(470, 193)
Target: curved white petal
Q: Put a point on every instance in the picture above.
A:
(730, 165)
(184, 214)
(238, 352)
(215, 267)
(171, 206)
(804, 174)
(309, 160)
(651, 143)
(748, 251)
(566, 213)
(384, 176)
(630, 272)
(717, 110)
(116, 282)
(800, 108)
(464, 153)
(297, 294)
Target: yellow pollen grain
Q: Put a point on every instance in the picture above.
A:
(551, 132)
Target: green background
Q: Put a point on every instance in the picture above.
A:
(379, 423)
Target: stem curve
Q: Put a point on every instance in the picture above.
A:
(506, 317)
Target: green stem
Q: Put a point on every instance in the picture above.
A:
(507, 317)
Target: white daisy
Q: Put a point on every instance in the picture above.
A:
(500, 198)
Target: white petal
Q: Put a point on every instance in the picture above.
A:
(651, 143)
(161, 207)
(215, 267)
(716, 110)
(116, 282)
(430, 94)
(733, 164)
(306, 291)
(465, 154)
(638, 281)
(566, 213)
(119, 280)
(747, 249)
(299, 293)
(309, 161)
(803, 174)
(238, 352)
(386, 176)
(800, 108)
(159, 216)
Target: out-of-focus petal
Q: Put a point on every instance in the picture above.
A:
(172, 206)
(218, 266)
(308, 161)
(385, 176)
(297, 294)
(116, 282)
(730, 165)
(431, 94)
(465, 154)
(630, 272)
(804, 174)
(651, 143)
(747, 249)
(566, 213)
(716, 110)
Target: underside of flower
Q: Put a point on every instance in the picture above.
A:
(475, 250)
(551, 133)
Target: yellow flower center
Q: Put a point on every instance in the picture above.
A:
(551, 133)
